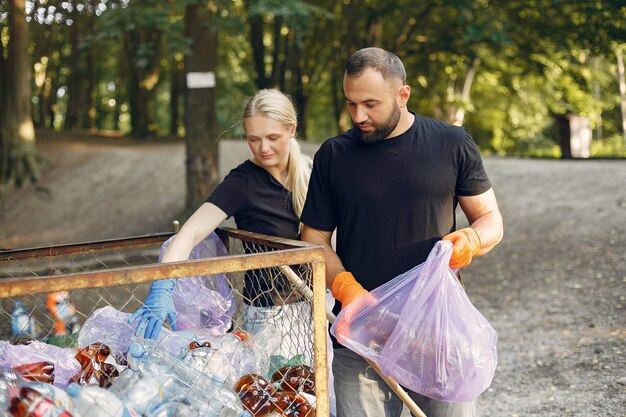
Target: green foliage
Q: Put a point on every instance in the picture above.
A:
(529, 61)
(611, 147)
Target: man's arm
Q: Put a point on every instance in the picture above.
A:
(484, 217)
(341, 283)
(323, 238)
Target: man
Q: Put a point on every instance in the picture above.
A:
(390, 186)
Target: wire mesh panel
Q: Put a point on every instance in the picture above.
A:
(249, 339)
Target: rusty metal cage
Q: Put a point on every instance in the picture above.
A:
(117, 273)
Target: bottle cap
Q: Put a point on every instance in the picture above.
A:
(136, 350)
(73, 389)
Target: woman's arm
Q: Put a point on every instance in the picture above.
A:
(201, 223)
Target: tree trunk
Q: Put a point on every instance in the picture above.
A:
(564, 135)
(175, 94)
(622, 87)
(19, 159)
(280, 55)
(4, 142)
(255, 24)
(200, 114)
(89, 95)
(142, 80)
(73, 93)
(456, 113)
(596, 63)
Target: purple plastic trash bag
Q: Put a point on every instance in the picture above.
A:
(65, 364)
(205, 301)
(110, 326)
(423, 330)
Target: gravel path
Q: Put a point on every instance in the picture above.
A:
(554, 289)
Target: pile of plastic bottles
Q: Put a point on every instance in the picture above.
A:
(187, 374)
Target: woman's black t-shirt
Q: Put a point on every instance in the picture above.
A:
(259, 204)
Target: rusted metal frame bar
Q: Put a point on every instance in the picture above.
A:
(15, 287)
(265, 240)
(320, 336)
(86, 247)
(141, 241)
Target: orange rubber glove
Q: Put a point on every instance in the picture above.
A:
(353, 298)
(466, 244)
(346, 289)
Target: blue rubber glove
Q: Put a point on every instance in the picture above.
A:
(158, 306)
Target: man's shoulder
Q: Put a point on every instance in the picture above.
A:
(341, 141)
(437, 125)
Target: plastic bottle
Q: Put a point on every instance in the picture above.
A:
(20, 320)
(238, 350)
(208, 394)
(31, 403)
(292, 404)
(172, 409)
(10, 383)
(255, 393)
(149, 358)
(63, 313)
(59, 397)
(223, 402)
(209, 361)
(91, 359)
(142, 393)
(92, 401)
(42, 371)
(299, 378)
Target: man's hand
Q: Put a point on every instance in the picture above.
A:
(158, 306)
(466, 244)
(353, 298)
(346, 289)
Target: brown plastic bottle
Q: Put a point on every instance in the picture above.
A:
(31, 403)
(291, 404)
(37, 371)
(91, 359)
(295, 378)
(255, 393)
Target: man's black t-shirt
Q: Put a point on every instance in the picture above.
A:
(392, 200)
(259, 204)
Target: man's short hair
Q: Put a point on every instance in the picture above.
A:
(388, 64)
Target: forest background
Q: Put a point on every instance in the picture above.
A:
(515, 73)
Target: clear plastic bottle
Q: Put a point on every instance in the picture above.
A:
(93, 401)
(172, 409)
(210, 395)
(20, 321)
(55, 394)
(149, 358)
(140, 392)
(223, 402)
(10, 383)
(209, 361)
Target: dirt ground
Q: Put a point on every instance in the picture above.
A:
(554, 289)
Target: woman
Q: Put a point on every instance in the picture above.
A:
(264, 194)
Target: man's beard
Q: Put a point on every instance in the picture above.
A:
(381, 131)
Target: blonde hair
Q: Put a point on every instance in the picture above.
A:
(277, 106)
